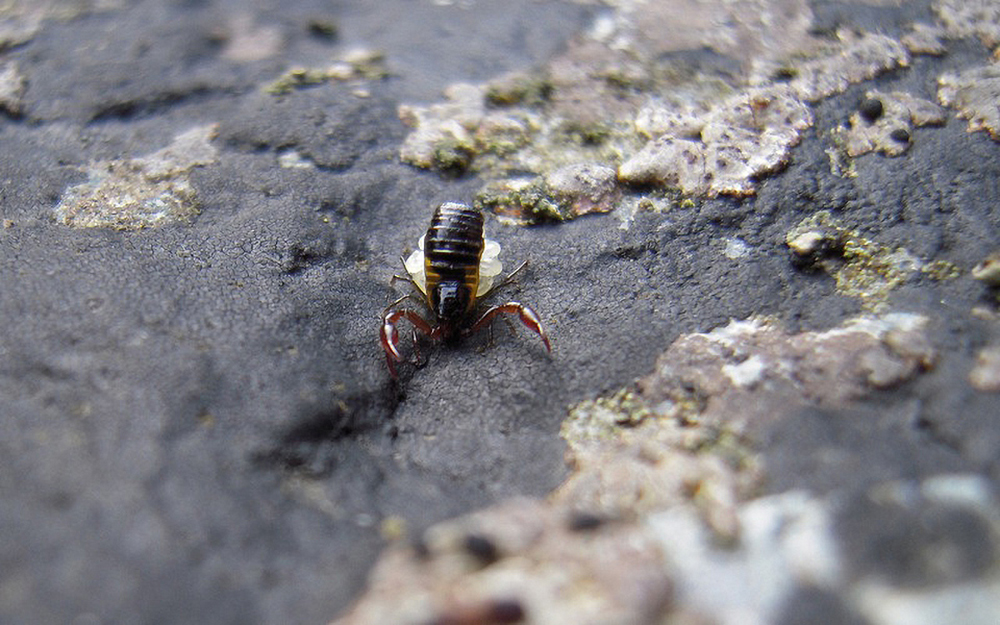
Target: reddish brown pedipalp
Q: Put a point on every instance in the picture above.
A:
(452, 276)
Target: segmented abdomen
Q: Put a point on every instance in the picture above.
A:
(452, 249)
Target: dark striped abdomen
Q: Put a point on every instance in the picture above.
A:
(453, 247)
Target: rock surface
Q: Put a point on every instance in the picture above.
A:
(772, 402)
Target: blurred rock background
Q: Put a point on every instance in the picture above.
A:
(762, 236)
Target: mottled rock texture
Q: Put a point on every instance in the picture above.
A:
(202, 205)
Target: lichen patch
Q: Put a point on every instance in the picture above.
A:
(884, 122)
(21, 19)
(855, 57)
(970, 18)
(564, 193)
(681, 435)
(863, 268)
(662, 488)
(975, 92)
(444, 133)
(723, 151)
(618, 98)
(522, 561)
(925, 39)
(631, 455)
(142, 192)
(356, 66)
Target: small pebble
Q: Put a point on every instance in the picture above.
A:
(506, 611)
(901, 135)
(323, 29)
(492, 612)
(784, 74)
(580, 521)
(807, 243)
(871, 109)
(481, 548)
(988, 270)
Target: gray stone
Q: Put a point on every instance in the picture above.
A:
(197, 421)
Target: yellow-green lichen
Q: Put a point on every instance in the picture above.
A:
(603, 418)
(591, 133)
(355, 65)
(871, 270)
(524, 88)
(367, 64)
(862, 268)
(502, 136)
(609, 418)
(562, 194)
(941, 270)
(297, 78)
(725, 443)
(628, 458)
(453, 155)
(519, 200)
